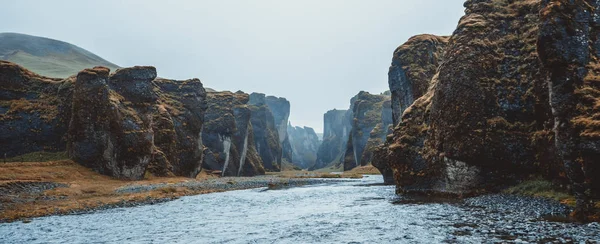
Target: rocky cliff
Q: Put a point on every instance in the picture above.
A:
(229, 136)
(119, 124)
(413, 65)
(280, 108)
(514, 96)
(368, 128)
(178, 119)
(305, 144)
(34, 111)
(569, 48)
(113, 129)
(335, 135)
(266, 134)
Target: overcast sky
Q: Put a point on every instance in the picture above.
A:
(316, 53)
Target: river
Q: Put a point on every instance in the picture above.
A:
(355, 211)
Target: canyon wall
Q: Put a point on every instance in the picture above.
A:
(335, 135)
(34, 111)
(368, 128)
(280, 108)
(266, 133)
(305, 144)
(569, 47)
(513, 95)
(229, 136)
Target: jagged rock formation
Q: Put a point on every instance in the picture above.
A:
(280, 108)
(228, 135)
(266, 135)
(413, 65)
(368, 128)
(495, 112)
(569, 48)
(111, 129)
(177, 123)
(305, 144)
(335, 135)
(34, 111)
(120, 125)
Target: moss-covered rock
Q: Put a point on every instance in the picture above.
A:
(266, 135)
(569, 48)
(368, 130)
(34, 111)
(111, 132)
(228, 135)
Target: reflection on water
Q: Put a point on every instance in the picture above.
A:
(360, 211)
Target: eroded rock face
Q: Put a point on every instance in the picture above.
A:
(305, 144)
(111, 129)
(266, 135)
(280, 108)
(569, 48)
(413, 65)
(367, 119)
(228, 135)
(178, 119)
(129, 122)
(34, 111)
(485, 114)
(335, 135)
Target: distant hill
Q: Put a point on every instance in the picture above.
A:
(48, 57)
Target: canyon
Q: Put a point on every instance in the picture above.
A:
(508, 104)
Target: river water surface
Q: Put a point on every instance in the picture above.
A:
(357, 211)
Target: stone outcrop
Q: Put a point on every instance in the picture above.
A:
(266, 135)
(111, 127)
(34, 111)
(514, 96)
(569, 48)
(413, 65)
(177, 123)
(305, 144)
(368, 128)
(280, 108)
(122, 124)
(335, 135)
(228, 135)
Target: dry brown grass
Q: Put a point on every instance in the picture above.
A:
(86, 189)
(365, 170)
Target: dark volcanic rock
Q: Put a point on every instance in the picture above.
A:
(266, 135)
(368, 130)
(569, 47)
(485, 119)
(228, 135)
(111, 132)
(335, 135)
(305, 144)
(413, 65)
(34, 111)
(280, 108)
(177, 123)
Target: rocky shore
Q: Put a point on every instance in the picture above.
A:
(36, 189)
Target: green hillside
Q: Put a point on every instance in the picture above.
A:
(48, 57)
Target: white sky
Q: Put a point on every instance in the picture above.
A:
(316, 53)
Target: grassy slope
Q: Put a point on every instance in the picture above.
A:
(48, 57)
